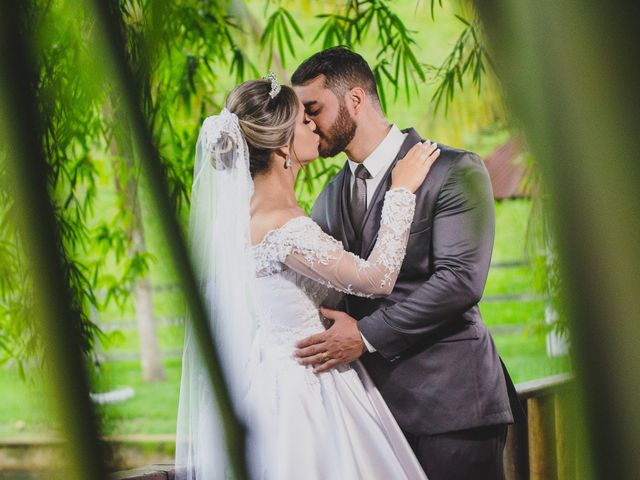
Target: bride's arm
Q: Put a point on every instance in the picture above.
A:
(305, 248)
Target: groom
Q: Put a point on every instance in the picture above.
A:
(424, 345)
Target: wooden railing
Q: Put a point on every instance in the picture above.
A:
(541, 449)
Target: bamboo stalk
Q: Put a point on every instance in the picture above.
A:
(571, 77)
(565, 437)
(56, 318)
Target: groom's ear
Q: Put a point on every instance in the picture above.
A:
(355, 99)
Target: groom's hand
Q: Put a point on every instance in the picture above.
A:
(342, 343)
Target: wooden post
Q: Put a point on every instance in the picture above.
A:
(542, 449)
(516, 457)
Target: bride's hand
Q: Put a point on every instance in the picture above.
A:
(411, 170)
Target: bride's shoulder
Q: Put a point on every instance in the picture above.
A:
(265, 222)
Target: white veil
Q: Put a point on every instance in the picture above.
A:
(220, 244)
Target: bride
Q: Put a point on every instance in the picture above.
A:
(265, 269)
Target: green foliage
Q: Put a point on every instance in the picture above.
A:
(548, 276)
(67, 109)
(176, 51)
(469, 56)
(396, 62)
(278, 31)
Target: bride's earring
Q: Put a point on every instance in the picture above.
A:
(287, 162)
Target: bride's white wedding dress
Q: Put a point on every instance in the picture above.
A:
(332, 425)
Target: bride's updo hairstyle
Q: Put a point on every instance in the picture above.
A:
(266, 123)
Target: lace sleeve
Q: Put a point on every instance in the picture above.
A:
(305, 248)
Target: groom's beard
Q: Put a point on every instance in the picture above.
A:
(339, 135)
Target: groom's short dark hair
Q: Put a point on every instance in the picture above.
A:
(342, 68)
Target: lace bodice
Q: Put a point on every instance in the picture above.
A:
(301, 245)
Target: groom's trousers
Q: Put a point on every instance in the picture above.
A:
(474, 454)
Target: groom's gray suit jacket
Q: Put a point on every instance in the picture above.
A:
(436, 364)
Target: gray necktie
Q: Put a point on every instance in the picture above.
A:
(358, 205)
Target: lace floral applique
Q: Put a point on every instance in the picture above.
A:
(398, 209)
(269, 252)
(305, 237)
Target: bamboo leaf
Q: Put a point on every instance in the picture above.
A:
(381, 89)
(463, 20)
(322, 29)
(279, 35)
(293, 23)
(287, 36)
(433, 2)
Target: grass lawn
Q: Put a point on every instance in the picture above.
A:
(516, 313)
(23, 406)
(153, 408)
(526, 359)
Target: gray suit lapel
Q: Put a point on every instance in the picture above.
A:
(371, 223)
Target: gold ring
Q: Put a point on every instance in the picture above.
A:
(325, 357)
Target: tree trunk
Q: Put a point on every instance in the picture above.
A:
(150, 355)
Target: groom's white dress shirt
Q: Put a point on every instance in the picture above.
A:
(377, 163)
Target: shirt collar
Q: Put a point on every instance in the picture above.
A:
(383, 154)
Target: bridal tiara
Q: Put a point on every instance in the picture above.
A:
(275, 85)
